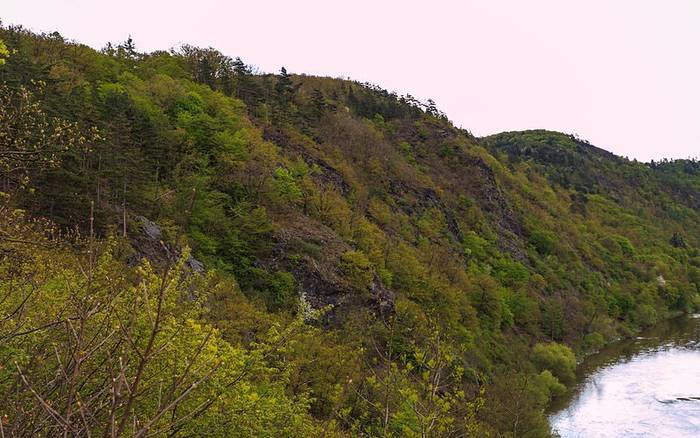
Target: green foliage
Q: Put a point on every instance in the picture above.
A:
(594, 341)
(405, 399)
(4, 53)
(475, 246)
(524, 310)
(556, 358)
(511, 273)
(515, 404)
(358, 269)
(31, 140)
(447, 151)
(625, 245)
(279, 289)
(286, 187)
(181, 375)
(551, 384)
(543, 241)
(296, 190)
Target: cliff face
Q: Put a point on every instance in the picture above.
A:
(369, 205)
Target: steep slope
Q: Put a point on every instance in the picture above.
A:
(451, 272)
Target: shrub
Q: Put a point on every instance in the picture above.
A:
(557, 358)
(356, 266)
(594, 341)
(286, 187)
(551, 386)
(645, 315)
(543, 241)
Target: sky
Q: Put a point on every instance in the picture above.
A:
(623, 74)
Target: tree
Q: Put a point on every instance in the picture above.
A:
(358, 270)
(514, 404)
(211, 67)
(284, 87)
(240, 68)
(416, 392)
(247, 88)
(318, 103)
(677, 241)
(100, 349)
(431, 108)
(4, 52)
(31, 140)
(557, 358)
(127, 50)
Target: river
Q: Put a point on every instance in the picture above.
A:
(644, 387)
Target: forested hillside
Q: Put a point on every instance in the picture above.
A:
(189, 247)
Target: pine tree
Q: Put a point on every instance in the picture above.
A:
(431, 108)
(677, 241)
(127, 49)
(318, 103)
(247, 88)
(284, 87)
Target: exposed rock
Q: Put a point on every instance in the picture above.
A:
(194, 264)
(488, 194)
(150, 228)
(483, 187)
(329, 176)
(382, 296)
(312, 253)
(661, 281)
(149, 244)
(416, 199)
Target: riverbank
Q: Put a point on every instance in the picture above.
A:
(656, 371)
(583, 356)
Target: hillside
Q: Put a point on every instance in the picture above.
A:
(190, 246)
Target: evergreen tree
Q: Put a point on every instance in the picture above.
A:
(431, 108)
(247, 89)
(127, 50)
(677, 240)
(284, 87)
(318, 103)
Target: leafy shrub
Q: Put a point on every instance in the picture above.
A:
(286, 187)
(557, 358)
(550, 384)
(645, 315)
(356, 266)
(543, 241)
(593, 341)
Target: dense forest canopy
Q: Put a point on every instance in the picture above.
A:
(191, 247)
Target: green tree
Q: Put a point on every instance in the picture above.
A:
(127, 354)
(30, 139)
(557, 358)
(284, 87)
(318, 103)
(4, 52)
(358, 269)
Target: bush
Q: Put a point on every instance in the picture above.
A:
(550, 385)
(558, 359)
(543, 241)
(356, 266)
(594, 341)
(286, 188)
(283, 288)
(645, 315)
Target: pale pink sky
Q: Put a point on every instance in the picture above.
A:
(624, 74)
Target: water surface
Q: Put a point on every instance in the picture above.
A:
(644, 387)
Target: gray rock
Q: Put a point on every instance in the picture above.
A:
(149, 244)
